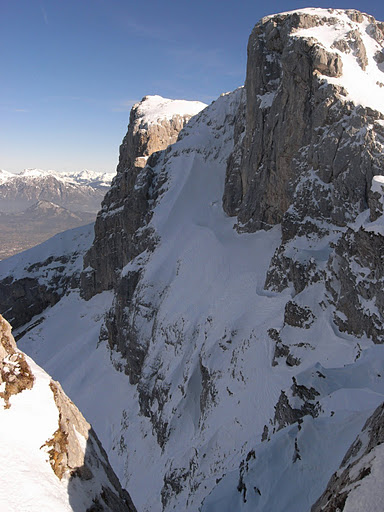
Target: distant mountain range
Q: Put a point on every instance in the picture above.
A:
(37, 204)
(76, 191)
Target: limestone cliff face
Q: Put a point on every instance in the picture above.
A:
(282, 89)
(120, 229)
(74, 453)
(308, 154)
(299, 124)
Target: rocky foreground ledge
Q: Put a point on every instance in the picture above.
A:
(53, 455)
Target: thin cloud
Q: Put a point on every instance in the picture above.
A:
(44, 13)
(124, 106)
(211, 58)
(235, 72)
(21, 110)
(148, 31)
(64, 97)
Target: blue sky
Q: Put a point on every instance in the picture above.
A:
(71, 69)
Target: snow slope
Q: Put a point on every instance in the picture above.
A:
(214, 384)
(5, 176)
(24, 429)
(72, 244)
(302, 455)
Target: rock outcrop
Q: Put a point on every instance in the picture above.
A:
(75, 455)
(38, 278)
(22, 299)
(15, 373)
(355, 273)
(355, 283)
(357, 485)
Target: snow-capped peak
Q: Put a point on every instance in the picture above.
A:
(35, 173)
(358, 41)
(154, 109)
(84, 177)
(87, 177)
(316, 11)
(42, 204)
(5, 176)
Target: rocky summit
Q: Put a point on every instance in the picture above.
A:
(223, 327)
